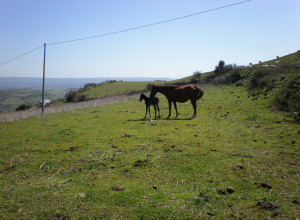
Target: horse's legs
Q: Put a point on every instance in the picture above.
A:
(158, 110)
(170, 103)
(149, 112)
(194, 103)
(154, 110)
(175, 106)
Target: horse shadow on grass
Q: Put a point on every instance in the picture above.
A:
(162, 119)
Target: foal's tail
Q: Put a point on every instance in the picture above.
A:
(200, 92)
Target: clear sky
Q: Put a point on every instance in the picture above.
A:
(244, 33)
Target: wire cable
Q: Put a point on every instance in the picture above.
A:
(30, 51)
(149, 25)
(129, 29)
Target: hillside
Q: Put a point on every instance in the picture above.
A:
(286, 66)
(115, 88)
(15, 91)
(236, 159)
(278, 78)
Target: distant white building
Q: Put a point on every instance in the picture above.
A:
(46, 101)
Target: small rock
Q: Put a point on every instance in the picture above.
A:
(221, 192)
(295, 201)
(265, 185)
(276, 213)
(155, 187)
(238, 167)
(57, 218)
(117, 188)
(230, 189)
(81, 195)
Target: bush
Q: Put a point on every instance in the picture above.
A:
(222, 69)
(263, 78)
(73, 96)
(23, 107)
(234, 76)
(196, 77)
(86, 86)
(288, 96)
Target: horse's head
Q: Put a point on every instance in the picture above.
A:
(153, 91)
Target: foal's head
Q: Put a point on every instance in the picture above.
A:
(142, 97)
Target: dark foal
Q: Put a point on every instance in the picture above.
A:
(148, 102)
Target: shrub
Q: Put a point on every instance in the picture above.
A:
(73, 96)
(23, 107)
(196, 77)
(70, 96)
(263, 78)
(288, 96)
(234, 76)
(222, 68)
(86, 86)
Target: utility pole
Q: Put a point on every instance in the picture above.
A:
(43, 90)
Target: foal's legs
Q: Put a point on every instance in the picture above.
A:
(146, 112)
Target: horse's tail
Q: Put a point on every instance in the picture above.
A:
(200, 92)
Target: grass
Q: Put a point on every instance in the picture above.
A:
(116, 88)
(106, 162)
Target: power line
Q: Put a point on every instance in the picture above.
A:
(129, 29)
(149, 25)
(30, 51)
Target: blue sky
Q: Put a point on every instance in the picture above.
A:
(248, 32)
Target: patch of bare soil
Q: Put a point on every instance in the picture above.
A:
(267, 205)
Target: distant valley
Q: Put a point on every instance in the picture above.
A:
(62, 83)
(15, 91)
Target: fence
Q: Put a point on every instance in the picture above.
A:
(14, 116)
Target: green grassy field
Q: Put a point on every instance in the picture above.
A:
(116, 88)
(236, 159)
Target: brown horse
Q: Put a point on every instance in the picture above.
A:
(179, 94)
